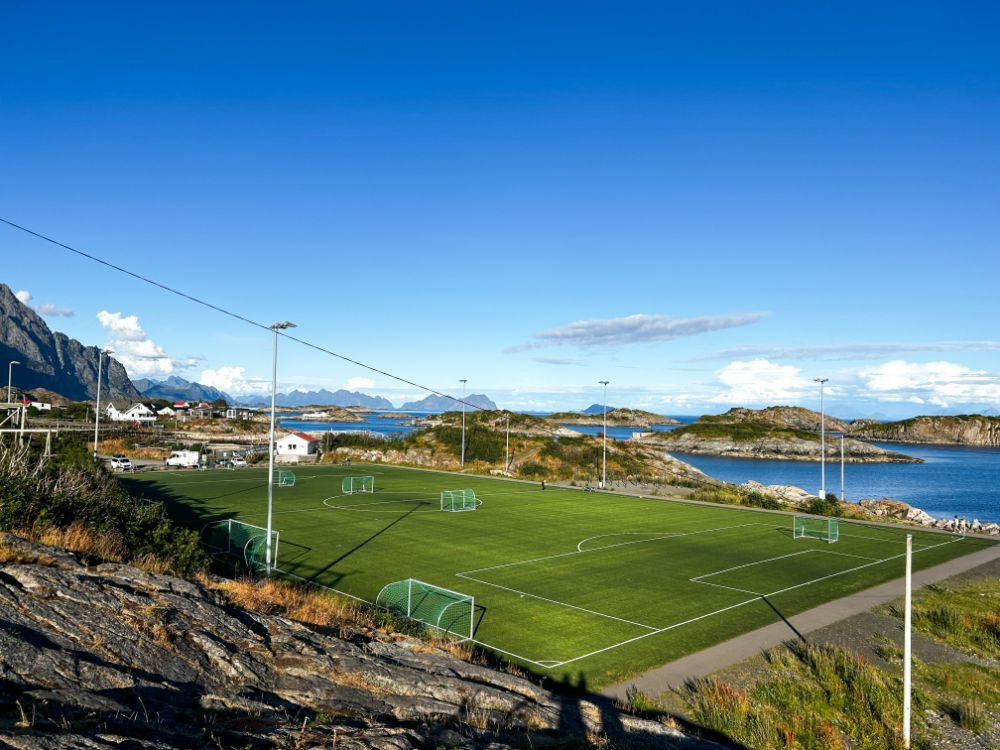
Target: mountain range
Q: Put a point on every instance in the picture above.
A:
(447, 403)
(321, 397)
(594, 409)
(179, 389)
(52, 360)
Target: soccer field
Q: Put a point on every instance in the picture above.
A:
(572, 584)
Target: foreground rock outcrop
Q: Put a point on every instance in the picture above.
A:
(113, 656)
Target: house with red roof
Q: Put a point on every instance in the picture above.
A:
(295, 445)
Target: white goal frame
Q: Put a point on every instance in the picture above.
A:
(810, 527)
(456, 501)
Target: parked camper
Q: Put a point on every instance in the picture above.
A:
(183, 458)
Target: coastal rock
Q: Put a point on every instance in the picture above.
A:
(788, 493)
(967, 429)
(114, 655)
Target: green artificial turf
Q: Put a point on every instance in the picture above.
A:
(581, 586)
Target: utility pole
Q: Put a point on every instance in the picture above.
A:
(97, 408)
(907, 625)
(10, 380)
(842, 497)
(284, 325)
(604, 463)
(463, 382)
(822, 440)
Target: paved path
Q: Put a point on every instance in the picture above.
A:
(749, 644)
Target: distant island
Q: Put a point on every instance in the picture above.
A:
(964, 429)
(620, 417)
(448, 403)
(783, 433)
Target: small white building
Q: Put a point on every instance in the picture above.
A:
(135, 413)
(167, 411)
(297, 444)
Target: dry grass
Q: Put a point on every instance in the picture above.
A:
(83, 541)
(295, 602)
(127, 448)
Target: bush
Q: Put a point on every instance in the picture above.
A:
(37, 497)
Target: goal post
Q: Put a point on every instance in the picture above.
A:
(352, 485)
(442, 609)
(241, 540)
(809, 527)
(285, 478)
(458, 500)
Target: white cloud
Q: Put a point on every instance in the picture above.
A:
(353, 384)
(939, 383)
(759, 381)
(233, 381)
(49, 310)
(634, 329)
(133, 347)
(853, 351)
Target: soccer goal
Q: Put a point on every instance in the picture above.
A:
(352, 485)
(457, 500)
(442, 609)
(241, 540)
(824, 529)
(286, 478)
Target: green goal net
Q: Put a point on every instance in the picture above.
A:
(458, 500)
(824, 529)
(243, 541)
(442, 609)
(351, 485)
(286, 478)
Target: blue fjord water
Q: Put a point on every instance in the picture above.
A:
(951, 481)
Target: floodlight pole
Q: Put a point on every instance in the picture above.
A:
(270, 453)
(822, 440)
(506, 455)
(10, 380)
(604, 462)
(463, 382)
(97, 408)
(907, 623)
(842, 496)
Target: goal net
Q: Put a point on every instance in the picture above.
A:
(442, 609)
(824, 529)
(244, 541)
(457, 500)
(351, 485)
(286, 478)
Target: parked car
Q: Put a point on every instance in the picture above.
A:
(121, 463)
(237, 461)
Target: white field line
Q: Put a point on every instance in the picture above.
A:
(657, 632)
(846, 554)
(555, 601)
(734, 606)
(544, 664)
(697, 579)
(667, 535)
(731, 588)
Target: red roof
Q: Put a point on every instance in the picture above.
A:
(307, 438)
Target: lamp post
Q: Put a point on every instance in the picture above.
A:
(604, 461)
(822, 440)
(506, 455)
(97, 408)
(270, 453)
(10, 379)
(842, 497)
(463, 382)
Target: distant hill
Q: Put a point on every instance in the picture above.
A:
(179, 389)
(321, 397)
(964, 429)
(620, 417)
(447, 403)
(595, 409)
(52, 360)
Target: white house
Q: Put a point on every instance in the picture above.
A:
(135, 413)
(297, 444)
(166, 411)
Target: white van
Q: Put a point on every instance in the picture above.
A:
(183, 458)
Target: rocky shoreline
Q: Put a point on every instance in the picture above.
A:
(882, 507)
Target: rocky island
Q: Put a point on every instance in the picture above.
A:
(965, 429)
(619, 417)
(783, 433)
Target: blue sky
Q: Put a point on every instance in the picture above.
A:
(708, 204)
